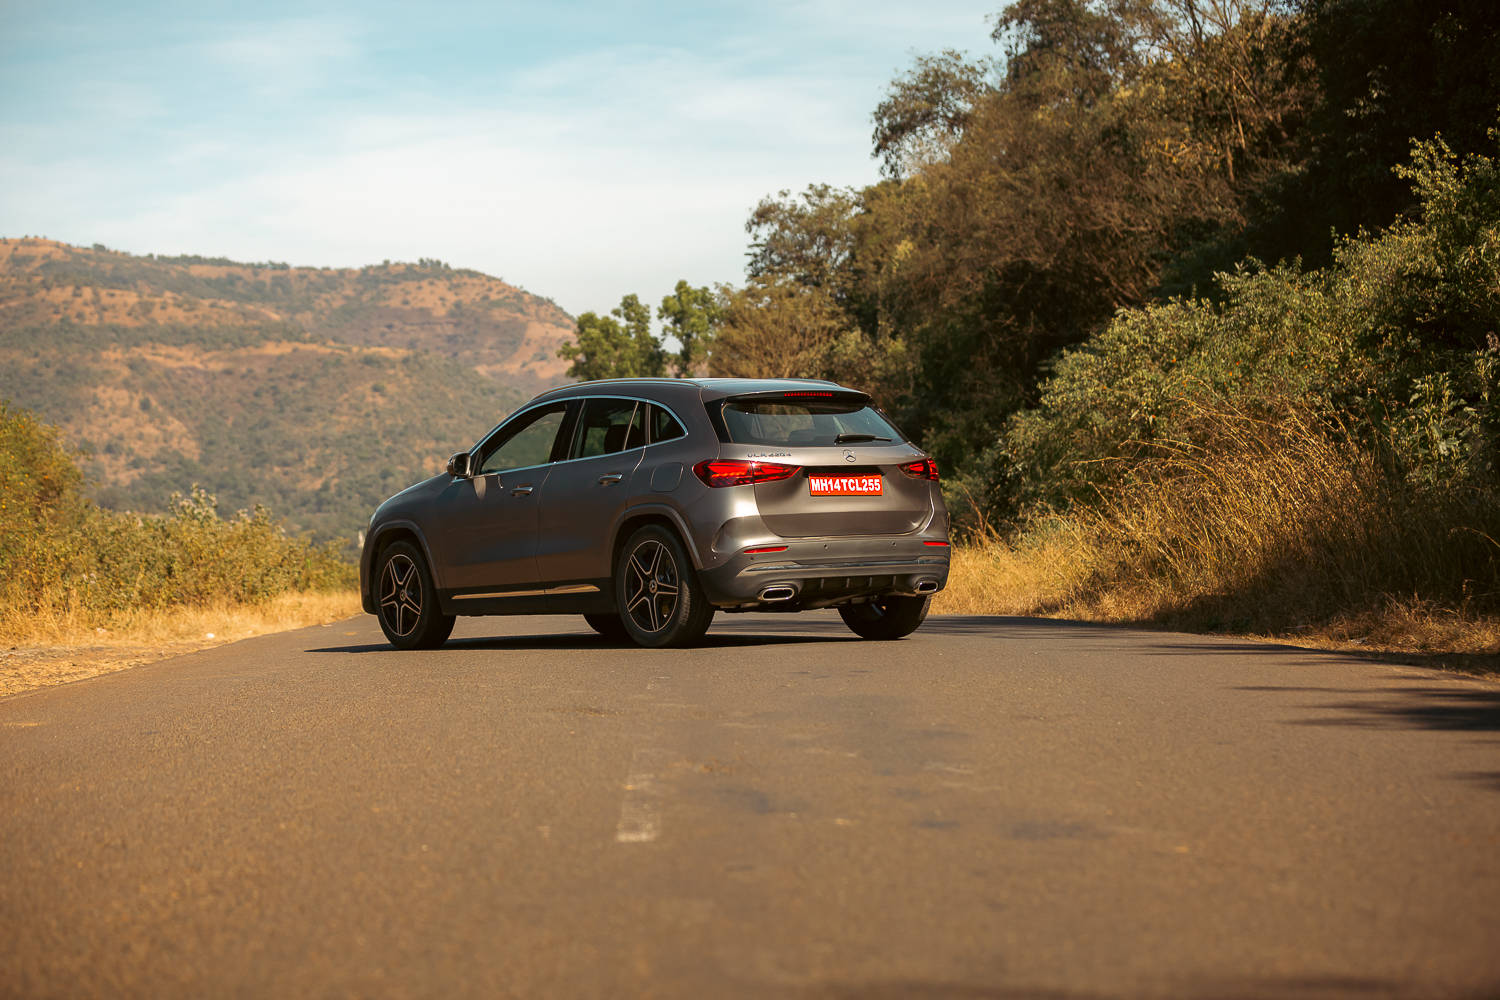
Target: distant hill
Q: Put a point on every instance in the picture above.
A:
(316, 391)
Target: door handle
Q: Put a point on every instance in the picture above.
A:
(521, 491)
(613, 477)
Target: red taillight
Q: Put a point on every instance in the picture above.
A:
(737, 472)
(925, 468)
(765, 548)
(942, 544)
(806, 395)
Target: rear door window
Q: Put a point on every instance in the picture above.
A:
(664, 426)
(608, 426)
(799, 423)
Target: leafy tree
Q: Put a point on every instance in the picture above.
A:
(619, 345)
(808, 238)
(646, 352)
(777, 329)
(1387, 71)
(692, 315)
(926, 111)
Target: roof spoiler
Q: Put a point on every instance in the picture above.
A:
(812, 394)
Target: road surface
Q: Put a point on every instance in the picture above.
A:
(996, 807)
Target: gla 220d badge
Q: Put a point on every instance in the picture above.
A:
(649, 505)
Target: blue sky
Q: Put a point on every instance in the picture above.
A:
(580, 150)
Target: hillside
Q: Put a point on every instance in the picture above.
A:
(316, 391)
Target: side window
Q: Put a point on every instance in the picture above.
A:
(608, 426)
(524, 443)
(664, 426)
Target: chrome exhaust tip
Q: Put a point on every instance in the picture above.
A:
(778, 592)
(926, 587)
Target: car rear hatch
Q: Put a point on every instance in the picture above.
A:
(848, 457)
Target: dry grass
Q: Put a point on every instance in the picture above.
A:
(1030, 577)
(60, 646)
(1280, 531)
(1056, 578)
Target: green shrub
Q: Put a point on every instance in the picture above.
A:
(59, 551)
(1394, 344)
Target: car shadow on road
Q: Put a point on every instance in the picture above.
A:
(588, 641)
(741, 630)
(1008, 626)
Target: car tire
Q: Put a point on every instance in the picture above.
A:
(406, 602)
(608, 626)
(890, 617)
(657, 591)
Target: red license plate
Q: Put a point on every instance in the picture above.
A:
(844, 486)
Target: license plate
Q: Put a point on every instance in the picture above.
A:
(844, 486)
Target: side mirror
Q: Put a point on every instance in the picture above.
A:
(458, 465)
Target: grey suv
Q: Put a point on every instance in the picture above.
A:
(646, 505)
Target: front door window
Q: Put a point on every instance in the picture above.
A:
(527, 443)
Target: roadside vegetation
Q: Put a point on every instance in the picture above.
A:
(1314, 451)
(73, 573)
(1195, 301)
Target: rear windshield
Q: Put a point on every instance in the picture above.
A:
(809, 423)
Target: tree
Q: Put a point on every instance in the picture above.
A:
(777, 329)
(619, 345)
(1389, 71)
(692, 316)
(646, 353)
(926, 111)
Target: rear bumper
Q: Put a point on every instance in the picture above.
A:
(821, 572)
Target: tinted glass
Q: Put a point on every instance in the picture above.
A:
(525, 442)
(664, 426)
(608, 426)
(803, 423)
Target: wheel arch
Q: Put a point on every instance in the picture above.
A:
(638, 518)
(383, 537)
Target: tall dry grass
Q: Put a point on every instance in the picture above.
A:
(225, 619)
(1280, 527)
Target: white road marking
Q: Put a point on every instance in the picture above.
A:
(640, 811)
(937, 765)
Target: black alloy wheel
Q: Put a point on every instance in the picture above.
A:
(408, 605)
(657, 591)
(890, 617)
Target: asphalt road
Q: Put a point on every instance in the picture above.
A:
(996, 807)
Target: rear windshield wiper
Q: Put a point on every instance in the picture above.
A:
(857, 438)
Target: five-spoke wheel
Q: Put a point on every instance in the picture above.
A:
(652, 586)
(401, 595)
(408, 605)
(657, 592)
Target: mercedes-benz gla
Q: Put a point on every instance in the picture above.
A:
(647, 505)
